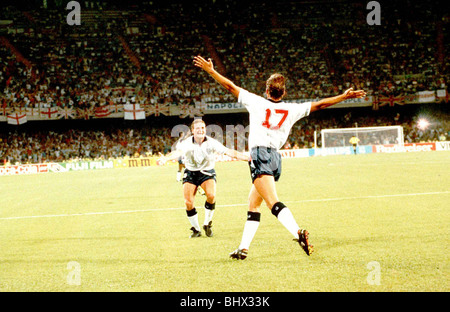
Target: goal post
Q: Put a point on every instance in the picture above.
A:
(340, 137)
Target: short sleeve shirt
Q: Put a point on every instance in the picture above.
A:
(271, 122)
(200, 156)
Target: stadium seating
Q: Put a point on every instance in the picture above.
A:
(322, 47)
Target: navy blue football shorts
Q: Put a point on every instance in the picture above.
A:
(265, 161)
(198, 177)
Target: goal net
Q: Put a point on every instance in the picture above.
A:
(366, 135)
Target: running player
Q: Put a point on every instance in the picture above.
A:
(199, 153)
(271, 120)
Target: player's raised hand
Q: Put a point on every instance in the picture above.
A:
(350, 94)
(206, 65)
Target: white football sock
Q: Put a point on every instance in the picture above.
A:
(250, 228)
(208, 216)
(287, 219)
(194, 221)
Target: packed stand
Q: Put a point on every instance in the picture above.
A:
(323, 49)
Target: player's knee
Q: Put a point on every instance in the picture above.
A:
(210, 197)
(254, 204)
(189, 203)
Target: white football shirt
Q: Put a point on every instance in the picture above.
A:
(200, 156)
(271, 122)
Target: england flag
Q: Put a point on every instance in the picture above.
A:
(133, 112)
(17, 118)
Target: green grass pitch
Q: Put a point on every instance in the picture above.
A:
(379, 222)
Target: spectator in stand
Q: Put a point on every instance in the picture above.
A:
(66, 70)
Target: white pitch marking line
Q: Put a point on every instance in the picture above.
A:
(230, 205)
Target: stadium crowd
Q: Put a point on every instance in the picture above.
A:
(323, 48)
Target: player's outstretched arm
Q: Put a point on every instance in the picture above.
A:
(171, 156)
(348, 94)
(207, 66)
(238, 155)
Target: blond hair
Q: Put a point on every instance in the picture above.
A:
(196, 121)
